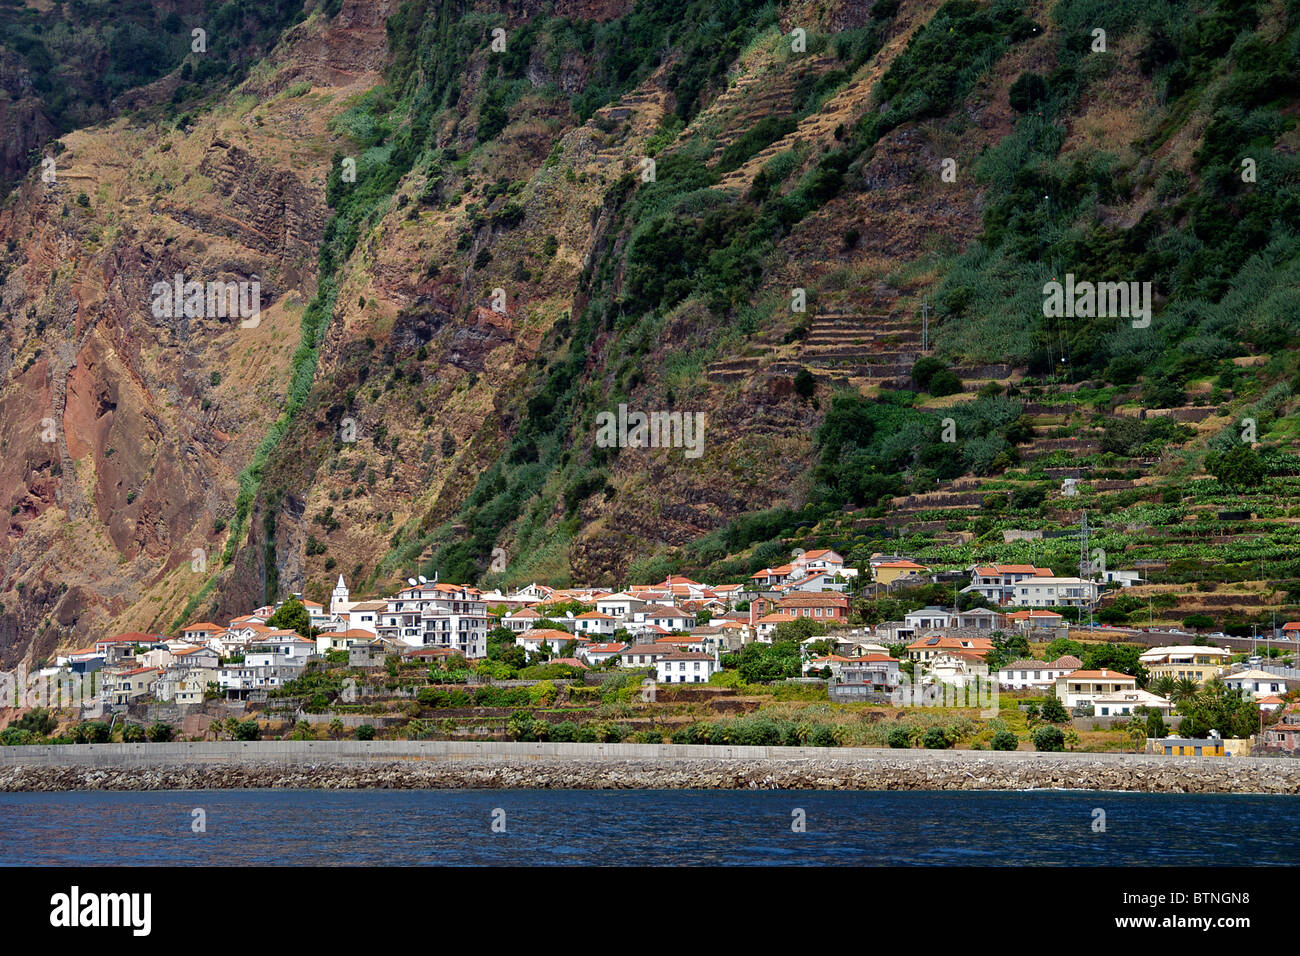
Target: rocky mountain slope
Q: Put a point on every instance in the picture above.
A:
(626, 203)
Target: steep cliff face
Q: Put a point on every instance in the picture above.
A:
(467, 251)
(124, 429)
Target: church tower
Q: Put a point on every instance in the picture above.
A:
(339, 600)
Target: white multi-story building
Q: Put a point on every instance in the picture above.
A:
(1053, 592)
(685, 667)
(1083, 688)
(995, 581)
(437, 615)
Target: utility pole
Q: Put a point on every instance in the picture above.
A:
(925, 327)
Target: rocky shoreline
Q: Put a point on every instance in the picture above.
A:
(884, 772)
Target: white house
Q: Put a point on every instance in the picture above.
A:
(200, 632)
(816, 582)
(1125, 579)
(669, 618)
(279, 648)
(1081, 688)
(958, 668)
(554, 639)
(1256, 683)
(621, 606)
(1126, 703)
(520, 620)
(342, 640)
(685, 667)
(822, 559)
(1053, 592)
(1040, 675)
(643, 655)
(765, 626)
(995, 581)
(192, 658)
(595, 624)
(597, 654)
(928, 618)
(363, 616)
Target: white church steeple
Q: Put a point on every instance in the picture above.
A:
(339, 600)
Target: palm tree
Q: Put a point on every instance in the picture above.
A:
(1185, 688)
(1163, 686)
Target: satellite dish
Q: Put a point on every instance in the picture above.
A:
(423, 579)
(568, 614)
(411, 581)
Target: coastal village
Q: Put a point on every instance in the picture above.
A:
(1013, 642)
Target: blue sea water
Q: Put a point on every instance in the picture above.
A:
(646, 827)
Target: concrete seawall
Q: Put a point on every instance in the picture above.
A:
(454, 764)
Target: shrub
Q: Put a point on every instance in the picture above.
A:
(823, 735)
(1027, 91)
(366, 732)
(944, 382)
(160, 733)
(1005, 740)
(1049, 739)
(935, 739)
(249, 730)
(898, 738)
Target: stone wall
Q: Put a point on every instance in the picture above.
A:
(463, 764)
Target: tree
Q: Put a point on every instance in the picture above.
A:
(1049, 738)
(899, 738)
(132, 734)
(366, 732)
(1053, 711)
(1062, 647)
(247, 730)
(1071, 738)
(758, 662)
(1155, 724)
(160, 733)
(1136, 731)
(924, 369)
(1217, 708)
(336, 728)
(91, 732)
(292, 615)
(1163, 686)
(1238, 468)
(799, 629)
(39, 721)
(1005, 740)
(1006, 649)
(1125, 658)
(1185, 688)
(944, 382)
(1027, 91)
(1198, 621)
